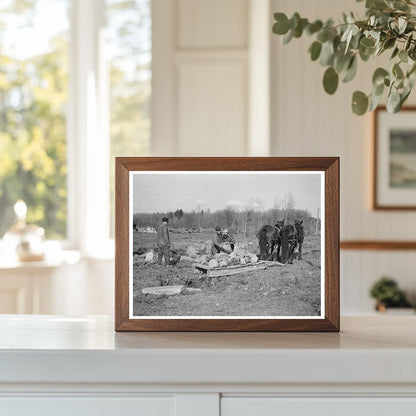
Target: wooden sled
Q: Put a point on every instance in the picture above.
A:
(240, 268)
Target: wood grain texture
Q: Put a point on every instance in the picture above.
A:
(330, 165)
(121, 244)
(376, 204)
(378, 245)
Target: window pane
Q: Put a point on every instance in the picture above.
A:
(33, 100)
(129, 46)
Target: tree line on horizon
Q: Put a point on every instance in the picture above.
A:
(246, 222)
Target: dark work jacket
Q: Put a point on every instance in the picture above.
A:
(163, 235)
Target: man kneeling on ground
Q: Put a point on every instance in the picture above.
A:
(227, 240)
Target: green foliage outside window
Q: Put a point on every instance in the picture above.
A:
(33, 100)
(34, 103)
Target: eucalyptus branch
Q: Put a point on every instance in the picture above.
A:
(389, 25)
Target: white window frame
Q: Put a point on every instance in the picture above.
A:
(88, 137)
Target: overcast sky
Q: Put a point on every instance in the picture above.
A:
(163, 192)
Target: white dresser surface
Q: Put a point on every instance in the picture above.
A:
(53, 349)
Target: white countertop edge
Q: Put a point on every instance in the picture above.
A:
(208, 366)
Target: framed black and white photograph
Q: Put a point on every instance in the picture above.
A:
(394, 159)
(227, 244)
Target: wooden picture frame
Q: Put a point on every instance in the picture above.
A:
(390, 191)
(326, 168)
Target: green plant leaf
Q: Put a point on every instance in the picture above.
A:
(408, 42)
(378, 89)
(376, 4)
(397, 71)
(327, 53)
(367, 42)
(288, 37)
(330, 80)
(298, 30)
(281, 27)
(404, 95)
(315, 50)
(314, 27)
(403, 56)
(395, 52)
(359, 103)
(389, 43)
(379, 75)
(365, 51)
(402, 22)
(374, 101)
(341, 61)
(351, 71)
(393, 101)
(322, 36)
(294, 20)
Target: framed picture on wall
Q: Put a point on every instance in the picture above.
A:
(394, 179)
(227, 244)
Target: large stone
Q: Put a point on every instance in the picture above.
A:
(213, 263)
(163, 290)
(192, 252)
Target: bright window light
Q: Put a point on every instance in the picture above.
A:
(33, 103)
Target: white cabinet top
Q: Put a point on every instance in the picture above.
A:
(47, 349)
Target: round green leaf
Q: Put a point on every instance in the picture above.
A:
(330, 80)
(367, 42)
(366, 53)
(314, 27)
(379, 75)
(315, 50)
(281, 27)
(298, 30)
(359, 103)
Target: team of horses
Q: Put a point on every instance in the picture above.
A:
(278, 242)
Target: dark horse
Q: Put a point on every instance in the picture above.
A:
(292, 237)
(269, 241)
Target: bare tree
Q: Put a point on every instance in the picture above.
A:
(288, 204)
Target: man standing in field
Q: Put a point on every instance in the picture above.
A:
(163, 242)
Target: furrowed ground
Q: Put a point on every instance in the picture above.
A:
(290, 290)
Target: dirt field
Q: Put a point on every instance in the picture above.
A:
(290, 290)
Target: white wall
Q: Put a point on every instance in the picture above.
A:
(200, 77)
(308, 122)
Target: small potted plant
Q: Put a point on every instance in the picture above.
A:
(387, 294)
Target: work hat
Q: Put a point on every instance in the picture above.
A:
(225, 231)
(164, 219)
(217, 228)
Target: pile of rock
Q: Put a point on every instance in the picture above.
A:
(239, 256)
